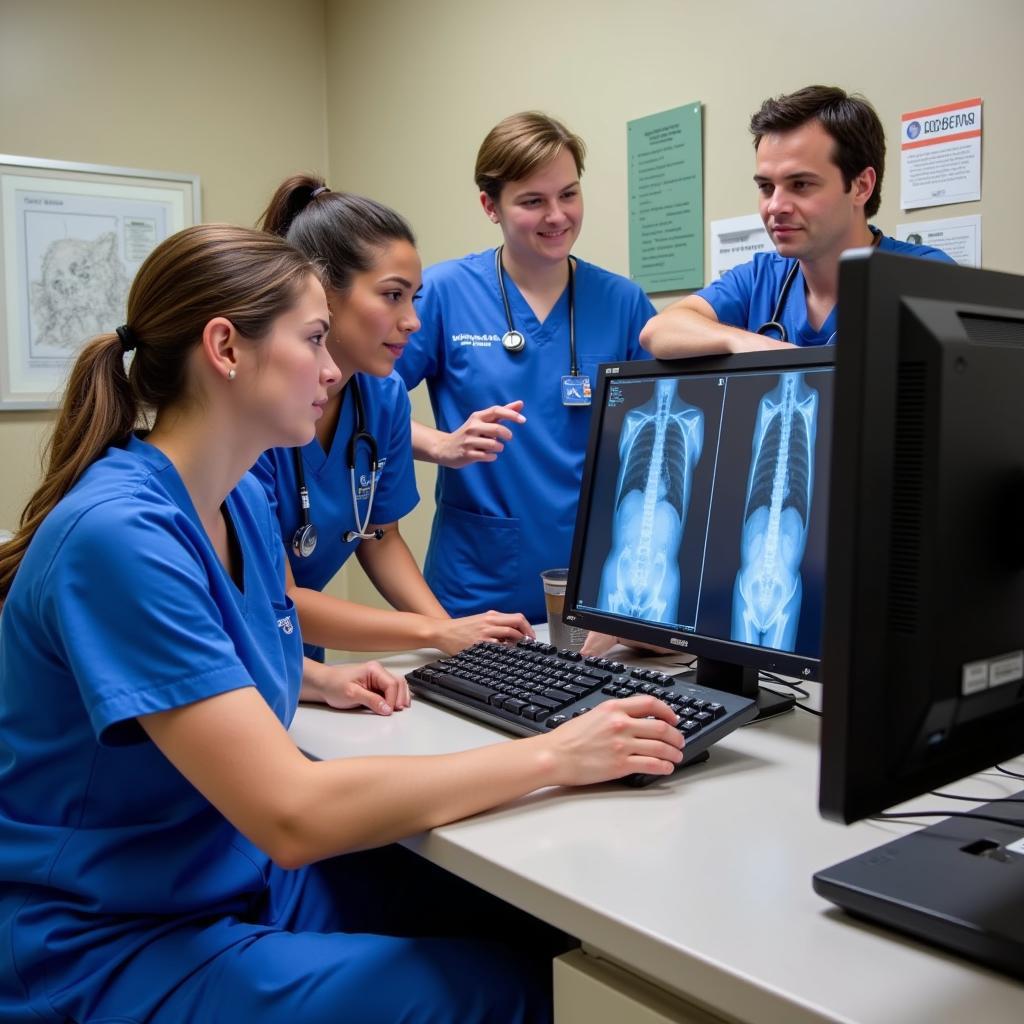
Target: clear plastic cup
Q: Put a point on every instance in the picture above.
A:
(561, 635)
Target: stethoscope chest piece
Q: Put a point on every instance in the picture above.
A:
(304, 541)
(513, 341)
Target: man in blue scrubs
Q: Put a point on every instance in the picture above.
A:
(499, 523)
(820, 161)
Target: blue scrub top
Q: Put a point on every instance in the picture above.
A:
(745, 296)
(328, 480)
(121, 608)
(498, 525)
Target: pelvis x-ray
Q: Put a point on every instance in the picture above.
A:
(768, 589)
(659, 446)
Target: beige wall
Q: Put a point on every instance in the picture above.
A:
(411, 95)
(392, 98)
(230, 90)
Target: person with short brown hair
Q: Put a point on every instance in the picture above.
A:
(509, 346)
(820, 158)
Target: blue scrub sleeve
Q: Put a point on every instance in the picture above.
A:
(421, 358)
(265, 471)
(642, 312)
(131, 610)
(731, 295)
(396, 494)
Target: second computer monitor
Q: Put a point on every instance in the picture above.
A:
(703, 511)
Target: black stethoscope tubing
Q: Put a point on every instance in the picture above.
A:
(304, 540)
(775, 324)
(514, 341)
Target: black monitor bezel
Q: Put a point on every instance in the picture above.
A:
(758, 659)
(861, 771)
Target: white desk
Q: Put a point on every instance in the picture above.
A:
(700, 884)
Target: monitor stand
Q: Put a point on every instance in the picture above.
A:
(958, 884)
(743, 681)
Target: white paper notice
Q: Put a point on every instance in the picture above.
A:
(735, 240)
(940, 151)
(959, 237)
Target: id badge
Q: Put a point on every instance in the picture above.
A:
(575, 390)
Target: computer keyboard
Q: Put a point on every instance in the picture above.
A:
(533, 687)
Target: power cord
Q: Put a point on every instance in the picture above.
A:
(978, 799)
(805, 695)
(900, 815)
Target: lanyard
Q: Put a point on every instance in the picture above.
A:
(514, 341)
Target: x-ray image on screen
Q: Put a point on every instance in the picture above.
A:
(768, 590)
(660, 443)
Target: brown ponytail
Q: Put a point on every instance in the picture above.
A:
(198, 274)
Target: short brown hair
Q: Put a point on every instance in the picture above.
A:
(850, 120)
(520, 143)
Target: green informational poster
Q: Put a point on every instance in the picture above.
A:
(666, 200)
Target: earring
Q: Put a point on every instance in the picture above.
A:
(231, 374)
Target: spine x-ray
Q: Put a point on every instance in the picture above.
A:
(659, 445)
(768, 589)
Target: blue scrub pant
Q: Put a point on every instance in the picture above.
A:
(380, 937)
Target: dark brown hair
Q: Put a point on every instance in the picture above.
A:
(520, 143)
(203, 272)
(849, 119)
(341, 231)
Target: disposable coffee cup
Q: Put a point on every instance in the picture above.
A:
(561, 635)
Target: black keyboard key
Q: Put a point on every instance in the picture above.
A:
(717, 710)
(556, 720)
(464, 686)
(514, 705)
(560, 695)
(687, 726)
(533, 712)
(545, 702)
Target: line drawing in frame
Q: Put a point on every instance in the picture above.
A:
(72, 236)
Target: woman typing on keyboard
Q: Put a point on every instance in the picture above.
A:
(166, 852)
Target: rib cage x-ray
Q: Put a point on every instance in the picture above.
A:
(659, 446)
(768, 589)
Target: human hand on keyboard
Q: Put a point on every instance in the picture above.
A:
(454, 635)
(366, 685)
(614, 739)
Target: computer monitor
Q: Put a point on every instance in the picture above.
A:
(923, 653)
(703, 510)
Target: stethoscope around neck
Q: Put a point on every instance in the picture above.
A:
(304, 540)
(775, 323)
(514, 341)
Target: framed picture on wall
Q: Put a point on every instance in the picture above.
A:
(72, 237)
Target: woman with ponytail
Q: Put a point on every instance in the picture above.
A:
(166, 853)
(372, 275)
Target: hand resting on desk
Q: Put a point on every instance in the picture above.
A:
(367, 685)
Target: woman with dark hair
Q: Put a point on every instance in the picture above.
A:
(167, 854)
(345, 491)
